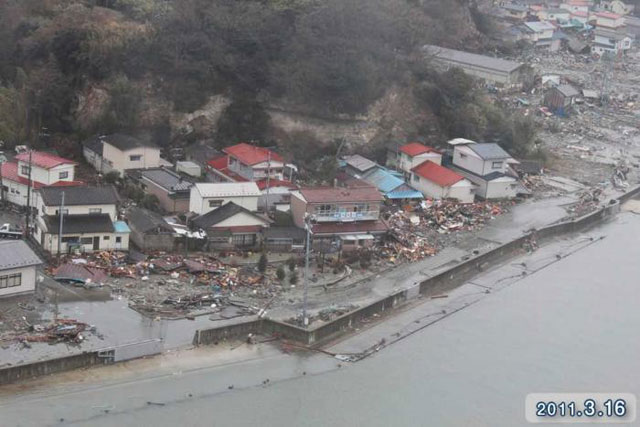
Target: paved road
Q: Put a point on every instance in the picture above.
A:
(571, 326)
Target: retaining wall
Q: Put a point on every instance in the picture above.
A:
(439, 283)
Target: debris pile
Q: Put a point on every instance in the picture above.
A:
(61, 330)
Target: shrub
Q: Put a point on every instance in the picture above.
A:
(291, 263)
(262, 263)
(280, 273)
(293, 279)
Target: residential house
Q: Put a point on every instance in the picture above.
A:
(231, 227)
(206, 197)
(284, 239)
(606, 40)
(346, 217)
(120, 153)
(46, 170)
(89, 220)
(172, 190)
(275, 194)
(149, 231)
(190, 168)
(246, 162)
(18, 264)
(391, 184)
(575, 6)
(357, 165)
(554, 14)
(617, 6)
(560, 99)
(540, 33)
(488, 167)
(609, 20)
(414, 153)
(499, 72)
(580, 17)
(438, 182)
(515, 11)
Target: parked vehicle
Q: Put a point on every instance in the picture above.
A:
(9, 231)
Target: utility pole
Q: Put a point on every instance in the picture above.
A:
(266, 208)
(28, 230)
(61, 223)
(305, 319)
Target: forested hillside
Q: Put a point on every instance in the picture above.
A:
(76, 68)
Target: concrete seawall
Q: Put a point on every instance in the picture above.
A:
(440, 283)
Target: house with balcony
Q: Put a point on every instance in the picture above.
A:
(46, 170)
(88, 216)
(412, 154)
(208, 196)
(487, 166)
(119, 153)
(346, 217)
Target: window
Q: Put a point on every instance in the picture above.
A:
(496, 165)
(324, 210)
(416, 178)
(118, 239)
(135, 158)
(95, 210)
(215, 203)
(64, 211)
(10, 281)
(106, 237)
(86, 241)
(63, 175)
(24, 170)
(70, 239)
(361, 207)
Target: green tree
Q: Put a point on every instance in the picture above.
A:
(280, 273)
(262, 263)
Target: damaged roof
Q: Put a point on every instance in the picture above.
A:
(16, 254)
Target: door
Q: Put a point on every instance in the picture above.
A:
(96, 243)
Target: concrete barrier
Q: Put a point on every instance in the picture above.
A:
(442, 282)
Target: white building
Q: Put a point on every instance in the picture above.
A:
(120, 153)
(554, 14)
(18, 265)
(617, 6)
(606, 40)
(89, 220)
(438, 182)
(206, 197)
(46, 169)
(412, 154)
(487, 166)
(540, 33)
(575, 6)
(608, 20)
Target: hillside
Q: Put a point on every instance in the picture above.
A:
(272, 71)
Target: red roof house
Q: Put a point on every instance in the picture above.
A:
(438, 182)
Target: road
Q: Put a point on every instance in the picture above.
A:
(569, 324)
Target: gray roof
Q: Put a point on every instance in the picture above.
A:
(360, 163)
(539, 26)
(120, 141)
(79, 195)
(489, 151)
(144, 220)
(515, 7)
(567, 90)
(220, 214)
(168, 180)
(79, 224)
(16, 254)
(461, 57)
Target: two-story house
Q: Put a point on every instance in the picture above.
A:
(246, 162)
(117, 152)
(606, 40)
(45, 170)
(172, 189)
(346, 217)
(87, 215)
(539, 33)
(412, 154)
(608, 20)
(487, 166)
(208, 196)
